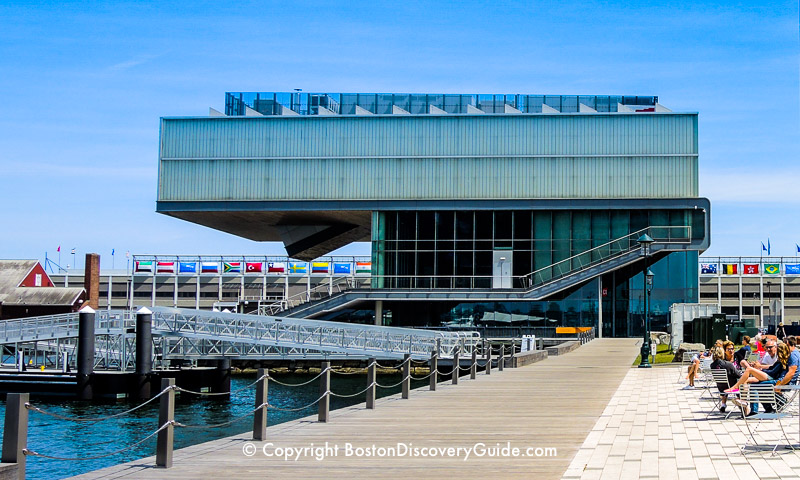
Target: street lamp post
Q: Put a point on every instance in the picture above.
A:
(647, 277)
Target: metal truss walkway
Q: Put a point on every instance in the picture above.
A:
(180, 334)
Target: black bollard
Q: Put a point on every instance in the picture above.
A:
(86, 319)
(260, 417)
(144, 352)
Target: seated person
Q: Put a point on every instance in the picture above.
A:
(767, 360)
(743, 352)
(778, 374)
(760, 373)
(694, 367)
(730, 368)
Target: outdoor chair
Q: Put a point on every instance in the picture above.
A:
(686, 360)
(720, 377)
(705, 378)
(765, 395)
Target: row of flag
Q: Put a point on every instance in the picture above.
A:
(252, 267)
(768, 248)
(750, 268)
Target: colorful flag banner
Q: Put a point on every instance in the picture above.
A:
(363, 267)
(165, 267)
(708, 268)
(749, 269)
(772, 268)
(254, 267)
(187, 267)
(297, 267)
(144, 267)
(276, 267)
(730, 268)
(792, 268)
(210, 267)
(319, 267)
(341, 268)
(231, 267)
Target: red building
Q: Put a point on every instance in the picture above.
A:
(27, 291)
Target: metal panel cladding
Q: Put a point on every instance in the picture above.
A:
(414, 157)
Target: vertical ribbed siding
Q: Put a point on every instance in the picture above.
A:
(410, 179)
(251, 158)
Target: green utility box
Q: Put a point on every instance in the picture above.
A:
(707, 330)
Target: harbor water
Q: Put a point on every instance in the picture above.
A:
(81, 440)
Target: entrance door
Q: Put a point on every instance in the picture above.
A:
(501, 268)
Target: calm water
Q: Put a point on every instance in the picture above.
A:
(51, 436)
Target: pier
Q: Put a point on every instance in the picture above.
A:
(553, 403)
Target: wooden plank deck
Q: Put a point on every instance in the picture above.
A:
(553, 403)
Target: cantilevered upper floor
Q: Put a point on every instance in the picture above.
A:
(307, 169)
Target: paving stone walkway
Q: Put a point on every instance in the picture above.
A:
(653, 429)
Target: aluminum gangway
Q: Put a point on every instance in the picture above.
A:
(200, 334)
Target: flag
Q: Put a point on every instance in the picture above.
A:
(276, 267)
(772, 268)
(363, 267)
(792, 268)
(297, 267)
(253, 267)
(232, 267)
(187, 267)
(769, 248)
(127, 254)
(749, 269)
(708, 268)
(73, 251)
(796, 245)
(730, 268)
(341, 268)
(165, 267)
(112, 252)
(319, 267)
(59, 249)
(210, 267)
(144, 267)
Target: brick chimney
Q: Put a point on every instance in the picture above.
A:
(91, 280)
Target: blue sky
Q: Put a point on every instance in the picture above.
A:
(84, 84)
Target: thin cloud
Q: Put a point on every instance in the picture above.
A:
(138, 60)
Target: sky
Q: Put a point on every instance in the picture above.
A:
(83, 85)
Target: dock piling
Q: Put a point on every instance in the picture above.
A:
(473, 368)
(488, 350)
(86, 319)
(260, 417)
(371, 370)
(15, 431)
(144, 352)
(434, 369)
(456, 365)
(324, 392)
(406, 375)
(166, 414)
(501, 359)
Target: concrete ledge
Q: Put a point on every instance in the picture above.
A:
(526, 358)
(9, 471)
(563, 348)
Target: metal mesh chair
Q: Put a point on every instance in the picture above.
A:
(763, 393)
(686, 360)
(720, 377)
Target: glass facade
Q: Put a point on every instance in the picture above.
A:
(459, 249)
(273, 103)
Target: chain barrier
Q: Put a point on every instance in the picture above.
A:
(32, 453)
(272, 379)
(30, 406)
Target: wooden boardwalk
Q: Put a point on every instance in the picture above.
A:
(551, 404)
